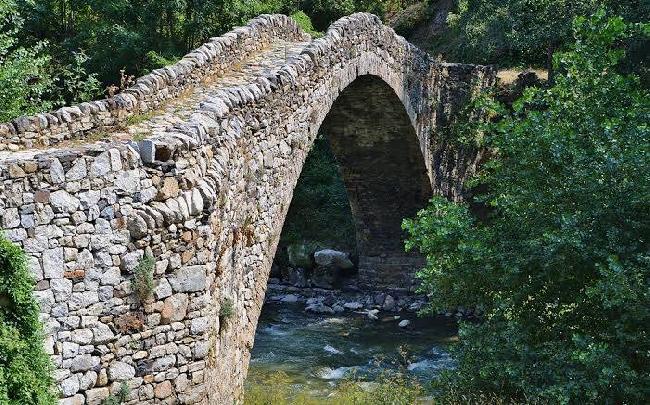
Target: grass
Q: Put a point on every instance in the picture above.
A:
(137, 119)
(276, 389)
(509, 76)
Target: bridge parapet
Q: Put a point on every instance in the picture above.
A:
(149, 91)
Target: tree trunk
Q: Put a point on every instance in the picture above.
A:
(550, 50)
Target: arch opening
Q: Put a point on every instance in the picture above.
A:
(385, 175)
(379, 179)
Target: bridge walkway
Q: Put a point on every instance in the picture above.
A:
(178, 110)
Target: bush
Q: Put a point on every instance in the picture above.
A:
(226, 312)
(25, 368)
(119, 397)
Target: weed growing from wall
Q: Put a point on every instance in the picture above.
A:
(143, 278)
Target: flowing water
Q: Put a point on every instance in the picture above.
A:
(316, 352)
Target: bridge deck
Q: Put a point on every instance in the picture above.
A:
(178, 110)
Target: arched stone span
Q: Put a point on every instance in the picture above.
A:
(203, 186)
(383, 169)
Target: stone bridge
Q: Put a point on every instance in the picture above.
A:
(195, 166)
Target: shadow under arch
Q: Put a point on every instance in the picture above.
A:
(383, 168)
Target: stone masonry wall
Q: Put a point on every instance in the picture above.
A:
(206, 199)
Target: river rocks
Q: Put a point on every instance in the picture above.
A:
(204, 194)
(353, 306)
(319, 308)
(289, 299)
(405, 323)
(297, 277)
(389, 303)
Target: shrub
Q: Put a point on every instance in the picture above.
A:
(277, 389)
(24, 366)
(143, 278)
(226, 312)
(23, 70)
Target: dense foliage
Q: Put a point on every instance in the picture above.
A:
(24, 365)
(23, 78)
(58, 52)
(526, 31)
(561, 269)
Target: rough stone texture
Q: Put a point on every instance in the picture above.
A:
(205, 192)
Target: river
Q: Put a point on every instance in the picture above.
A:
(317, 352)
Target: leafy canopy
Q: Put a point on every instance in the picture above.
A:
(561, 269)
(526, 31)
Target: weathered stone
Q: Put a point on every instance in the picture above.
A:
(78, 170)
(83, 363)
(137, 227)
(189, 279)
(163, 390)
(174, 308)
(53, 263)
(389, 303)
(169, 189)
(62, 201)
(333, 258)
(120, 371)
(42, 196)
(163, 289)
(102, 334)
(70, 386)
(128, 181)
(57, 175)
(235, 146)
(96, 396)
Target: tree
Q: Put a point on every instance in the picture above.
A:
(24, 366)
(23, 70)
(561, 268)
(528, 31)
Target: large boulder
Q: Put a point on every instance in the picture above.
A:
(334, 259)
(331, 265)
